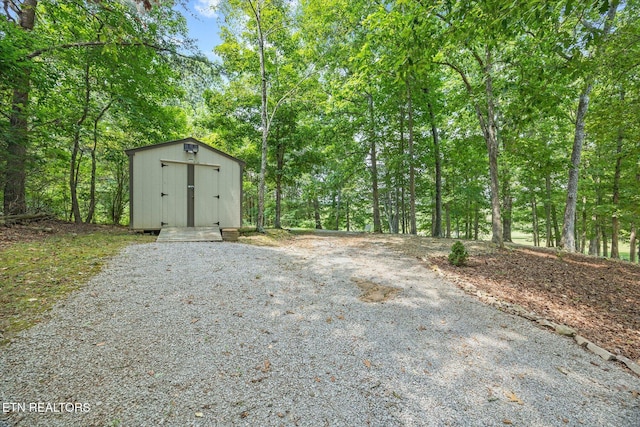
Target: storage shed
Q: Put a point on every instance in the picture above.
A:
(184, 183)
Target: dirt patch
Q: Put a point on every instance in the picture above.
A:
(374, 292)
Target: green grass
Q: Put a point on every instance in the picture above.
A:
(527, 239)
(35, 275)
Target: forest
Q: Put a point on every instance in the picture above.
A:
(499, 120)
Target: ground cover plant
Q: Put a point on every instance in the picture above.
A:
(42, 265)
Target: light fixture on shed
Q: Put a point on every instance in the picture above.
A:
(191, 148)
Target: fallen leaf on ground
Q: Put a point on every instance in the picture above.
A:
(267, 366)
(367, 363)
(513, 398)
(506, 421)
(194, 320)
(603, 295)
(101, 344)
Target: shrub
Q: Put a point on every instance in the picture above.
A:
(458, 255)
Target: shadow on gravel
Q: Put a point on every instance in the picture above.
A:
(231, 334)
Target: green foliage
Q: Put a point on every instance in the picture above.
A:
(103, 77)
(341, 75)
(458, 255)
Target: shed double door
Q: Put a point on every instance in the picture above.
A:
(190, 196)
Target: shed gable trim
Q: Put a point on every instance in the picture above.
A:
(130, 152)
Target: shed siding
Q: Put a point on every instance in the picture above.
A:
(207, 184)
(150, 180)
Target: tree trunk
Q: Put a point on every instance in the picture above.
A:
(605, 249)
(496, 222)
(584, 225)
(556, 226)
(632, 244)
(615, 222)
(507, 208)
(467, 220)
(92, 190)
(507, 199)
(263, 117)
(347, 215)
(388, 210)
(316, 212)
(593, 246)
(16, 162)
(74, 167)
(279, 172)
(476, 221)
(437, 223)
(396, 215)
(447, 219)
(117, 200)
(489, 128)
(567, 242)
(377, 225)
(568, 227)
(490, 134)
(412, 168)
(534, 220)
(547, 210)
(402, 203)
(338, 202)
(575, 234)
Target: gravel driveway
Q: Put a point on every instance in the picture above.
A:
(230, 334)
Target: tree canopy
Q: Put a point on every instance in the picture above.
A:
(500, 120)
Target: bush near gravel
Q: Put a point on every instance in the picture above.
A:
(35, 275)
(458, 255)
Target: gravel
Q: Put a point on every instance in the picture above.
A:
(230, 334)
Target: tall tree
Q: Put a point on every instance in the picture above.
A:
(23, 16)
(599, 35)
(35, 45)
(265, 25)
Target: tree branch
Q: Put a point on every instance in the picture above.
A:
(458, 70)
(10, 6)
(288, 93)
(39, 52)
(477, 57)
